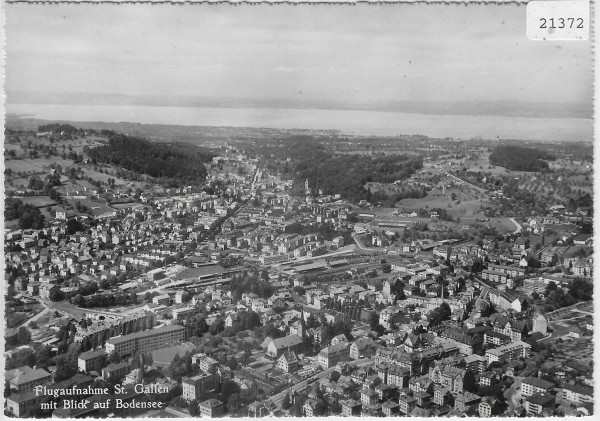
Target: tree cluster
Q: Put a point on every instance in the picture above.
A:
(518, 158)
(28, 215)
(173, 164)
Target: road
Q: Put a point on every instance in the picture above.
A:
(359, 243)
(77, 312)
(514, 221)
(36, 316)
(463, 181)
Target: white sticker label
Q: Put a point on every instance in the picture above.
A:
(558, 20)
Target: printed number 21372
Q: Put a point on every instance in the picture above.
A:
(560, 23)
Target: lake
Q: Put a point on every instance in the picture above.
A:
(380, 123)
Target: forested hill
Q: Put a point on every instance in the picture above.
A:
(306, 158)
(518, 158)
(172, 164)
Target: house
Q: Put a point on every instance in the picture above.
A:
(310, 408)
(423, 398)
(362, 348)
(442, 396)
(532, 385)
(467, 403)
(351, 408)
(390, 409)
(211, 408)
(288, 362)
(406, 404)
(448, 376)
(489, 407)
(368, 397)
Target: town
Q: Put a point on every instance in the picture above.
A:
(295, 273)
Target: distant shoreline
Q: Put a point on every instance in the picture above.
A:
(349, 122)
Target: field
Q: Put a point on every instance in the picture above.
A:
(38, 201)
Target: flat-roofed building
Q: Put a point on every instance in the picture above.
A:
(193, 387)
(508, 352)
(146, 341)
(91, 360)
(532, 385)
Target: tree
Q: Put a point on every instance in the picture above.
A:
(78, 300)
(234, 403)
(23, 335)
(56, 294)
(193, 408)
(229, 388)
(440, 314)
(299, 290)
(114, 357)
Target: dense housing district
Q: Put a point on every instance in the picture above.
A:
(448, 280)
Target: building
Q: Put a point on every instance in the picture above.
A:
(508, 352)
(310, 408)
(577, 394)
(193, 387)
(539, 404)
(276, 347)
(476, 363)
(24, 379)
(91, 360)
(351, 408)
(368, 397)
(532, 385)
(115, 371)
(489, 407)
(204, 362)
(467, 403)
(22, 405)
(211, 408)
(330, 356)
(162, 299)
(146, 341)
(406, 404)
(390, 409)
(288, 362)
(448, 377)
(540, 324)
(362, 348)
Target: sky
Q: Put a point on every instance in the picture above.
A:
(363, 54)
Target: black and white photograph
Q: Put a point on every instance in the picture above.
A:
(298, 210)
